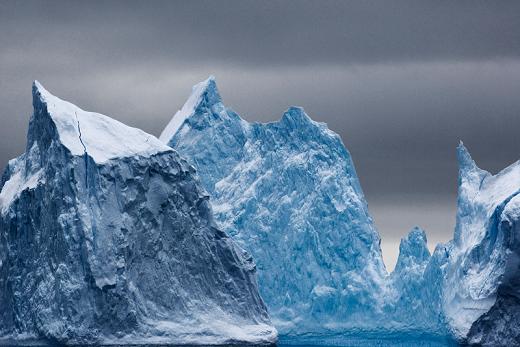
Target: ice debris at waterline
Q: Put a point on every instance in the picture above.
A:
(287, 191)
(106, 236)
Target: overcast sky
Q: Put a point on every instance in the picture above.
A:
(400, 81)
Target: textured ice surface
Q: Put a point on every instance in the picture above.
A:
(415, 301)
(470, 287)
(482, 279)
(288, 192)
(107, 237)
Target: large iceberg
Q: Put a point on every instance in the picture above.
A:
(106, 236)
(288, 192)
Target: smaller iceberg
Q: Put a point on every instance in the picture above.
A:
(482, 276)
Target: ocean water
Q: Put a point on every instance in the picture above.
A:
(357, 340)
(372, 340)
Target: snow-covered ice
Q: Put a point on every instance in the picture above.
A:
(106, 236)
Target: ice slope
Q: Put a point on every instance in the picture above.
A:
(288, 192)
(482, 289)
(106, 236)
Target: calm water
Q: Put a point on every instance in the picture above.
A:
(420, 340)
(337, 341)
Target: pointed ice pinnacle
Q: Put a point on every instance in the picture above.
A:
(204, 96)
(413, 250)
(467, 166)
(480, 257)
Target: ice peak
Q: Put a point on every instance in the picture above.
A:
(466, 162)
(82, 132)
(469, 172)
(39, 94)
(209, 91)
(413, 249)
(296, 117)
(204, 95)
(38, 88)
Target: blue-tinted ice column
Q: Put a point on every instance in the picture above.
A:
(288, 192)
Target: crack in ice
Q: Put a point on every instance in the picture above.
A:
(84, 149)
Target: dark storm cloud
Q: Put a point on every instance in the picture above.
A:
(401, 81)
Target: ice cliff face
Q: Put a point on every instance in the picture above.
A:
(288, 192)
(482, 278)
(106, 235)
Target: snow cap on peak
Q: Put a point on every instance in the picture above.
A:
(417, 234)
(204, 95)
(37, 88)
(209, 91)
(39, 94)
(82, 132)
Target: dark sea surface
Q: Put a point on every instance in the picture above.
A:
(353, 340)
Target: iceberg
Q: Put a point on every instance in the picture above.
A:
(481, 298)
(109, 236)
(289, 194)
(470, 287)
(106, 236)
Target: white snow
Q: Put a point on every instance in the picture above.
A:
(497, 188)
(187, 110)
(18, 182)
(102, 137)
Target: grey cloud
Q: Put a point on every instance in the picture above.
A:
(264, 33)
(400, 81)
